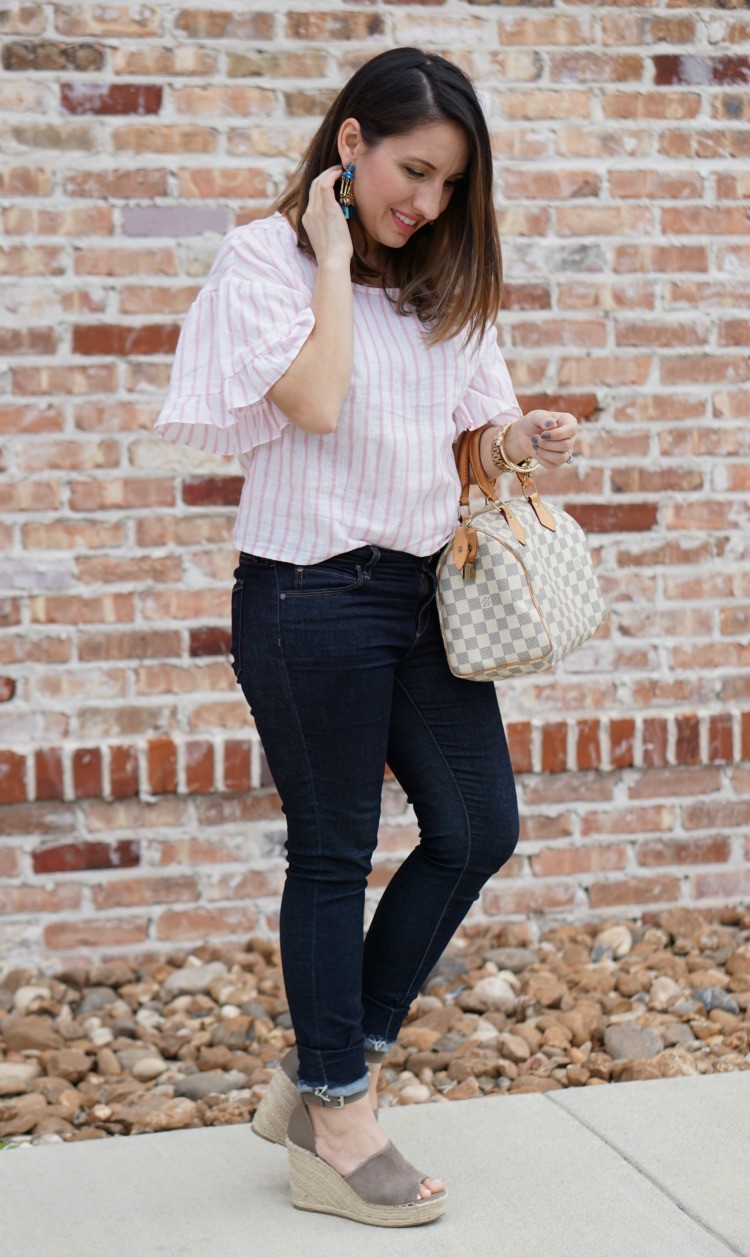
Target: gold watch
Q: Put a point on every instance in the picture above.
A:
(500, 458)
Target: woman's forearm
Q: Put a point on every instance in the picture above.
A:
(312, 389)
(513, 448)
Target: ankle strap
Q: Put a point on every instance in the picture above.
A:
(320, 1096)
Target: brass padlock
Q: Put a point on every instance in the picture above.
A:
(469, 570)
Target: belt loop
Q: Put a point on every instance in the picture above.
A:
(371, 561)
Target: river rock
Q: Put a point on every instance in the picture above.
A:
(713, 997)
(514, 958)
(17, 1076)
(69, 1063)
(209, 1082)
(489, 994)
(513, 1047)
(96, 997)
(26, 995)
(193, 979)
(617, 941)
(148, 1067)
(632, 1042)
(19, 1033)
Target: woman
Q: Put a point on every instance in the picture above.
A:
(340, 355)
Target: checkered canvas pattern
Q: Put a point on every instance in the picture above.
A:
(528, 606)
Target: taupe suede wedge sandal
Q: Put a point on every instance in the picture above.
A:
(382, 1191)
(272, 1114)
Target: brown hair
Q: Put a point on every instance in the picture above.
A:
(450, 273)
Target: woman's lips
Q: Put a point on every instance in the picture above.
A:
(404, 226)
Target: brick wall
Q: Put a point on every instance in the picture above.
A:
(138, 812)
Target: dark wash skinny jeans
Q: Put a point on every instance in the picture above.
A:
(343, 666)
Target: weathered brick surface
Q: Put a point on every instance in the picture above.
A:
(137, 807)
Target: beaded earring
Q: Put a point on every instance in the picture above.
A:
(346, 194)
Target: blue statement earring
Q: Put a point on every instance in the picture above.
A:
(346, 194)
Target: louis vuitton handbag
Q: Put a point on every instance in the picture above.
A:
(516, 586)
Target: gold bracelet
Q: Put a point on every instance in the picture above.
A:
(527, 464)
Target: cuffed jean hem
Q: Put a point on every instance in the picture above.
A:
(338, 1070)
(344, 1089)
(376, 1044)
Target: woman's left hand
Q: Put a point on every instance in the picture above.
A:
(546, 435)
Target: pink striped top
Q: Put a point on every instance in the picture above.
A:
(387, 474)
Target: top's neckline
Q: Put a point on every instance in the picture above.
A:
(356, 287)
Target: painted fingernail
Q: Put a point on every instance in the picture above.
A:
(547, 436)
(550, 423)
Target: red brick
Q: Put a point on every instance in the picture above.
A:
(199, 767)
(212, 490)
(96, 932)
(49, 773)
(654, 742)
(162, 766)
(734, 884)
(518, 735)
(10, 862)
(543, 897)
(110, 98)
(687, 742)
(133, 892)
(565, 861)
(622, 742)
(69, 857)
(611, 517)
(720, 738)
(237, 765)
(554, 752)
(200, 923)
(588, 754)
(123, 771)
(634, 890)
(87, 772)
(209, 640)
(33, 899)
(656, 851)
(12, 777)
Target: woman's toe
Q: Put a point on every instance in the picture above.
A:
(430, 1185)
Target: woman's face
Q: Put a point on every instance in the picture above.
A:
(405, 177)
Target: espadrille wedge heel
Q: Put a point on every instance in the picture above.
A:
(382, 1191)
(272, 1114)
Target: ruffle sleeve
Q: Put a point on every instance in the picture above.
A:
(242, 332)
(489, 397)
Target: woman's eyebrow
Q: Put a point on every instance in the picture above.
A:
(425, 162)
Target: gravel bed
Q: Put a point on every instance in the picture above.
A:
(119, 1048)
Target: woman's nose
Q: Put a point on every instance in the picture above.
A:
(427, 203)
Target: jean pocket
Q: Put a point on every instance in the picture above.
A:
(236, 635)
(331, 576)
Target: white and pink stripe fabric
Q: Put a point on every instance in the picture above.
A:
(387, 475)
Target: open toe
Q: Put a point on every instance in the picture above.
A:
(383, 1190)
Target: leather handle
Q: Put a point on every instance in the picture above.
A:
(468, 453)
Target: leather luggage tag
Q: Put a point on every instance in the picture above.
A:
(460, 547)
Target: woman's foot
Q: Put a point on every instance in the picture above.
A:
(347, 1136)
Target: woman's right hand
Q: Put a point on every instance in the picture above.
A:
(324, 221)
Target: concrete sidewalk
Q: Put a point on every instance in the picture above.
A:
(636, 1169)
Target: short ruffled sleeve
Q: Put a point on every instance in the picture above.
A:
(489, 397)
(242, 332)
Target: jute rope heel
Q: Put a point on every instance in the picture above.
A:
(382, 1191)
(272, 1114)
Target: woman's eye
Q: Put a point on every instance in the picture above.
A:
(418, 175)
